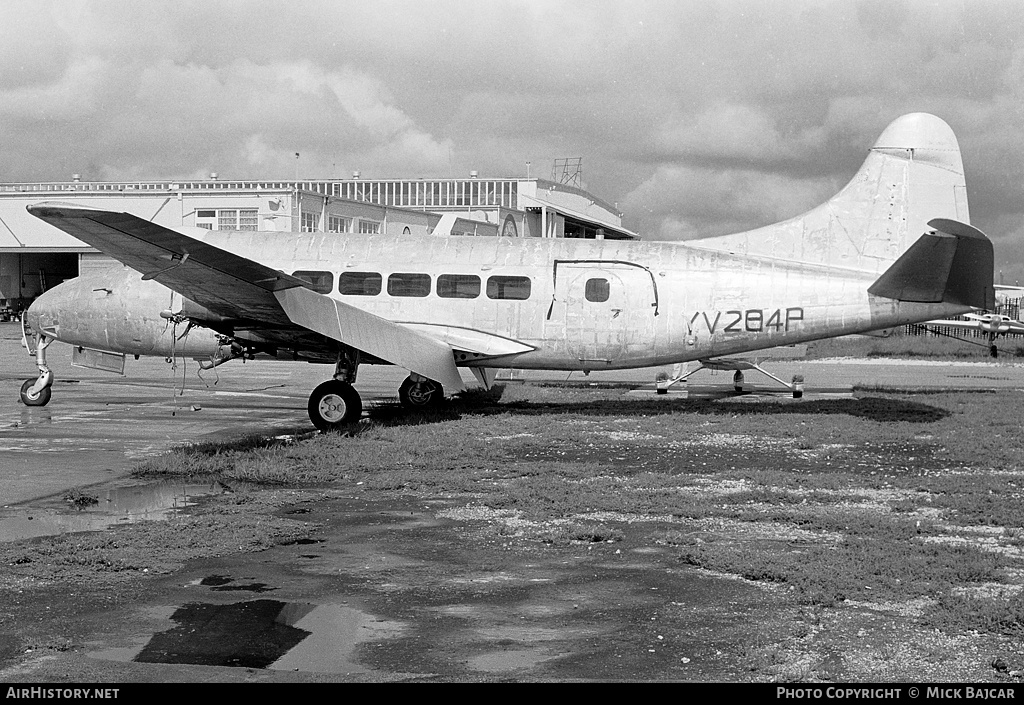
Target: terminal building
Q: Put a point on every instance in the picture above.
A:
(35, 256)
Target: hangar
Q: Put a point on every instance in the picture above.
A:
(35, 256)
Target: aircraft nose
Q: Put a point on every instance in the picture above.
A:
(42, 315)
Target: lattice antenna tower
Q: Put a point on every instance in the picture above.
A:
(568, 171)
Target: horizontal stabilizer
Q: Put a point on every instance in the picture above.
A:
(951, 264)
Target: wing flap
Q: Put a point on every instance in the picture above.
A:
(372, 334)
(471, 340)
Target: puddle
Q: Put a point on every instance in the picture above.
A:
(268, 634)
(121, 505)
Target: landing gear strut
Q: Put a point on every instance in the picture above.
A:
(336, 403)
(797, 386)
(418, 392)
(36, 392)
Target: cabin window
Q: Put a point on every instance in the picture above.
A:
(501, 287)
(369, 227)
(359, 283)
(320, 282)
(408, 284)
(458, 286)
(597, 290)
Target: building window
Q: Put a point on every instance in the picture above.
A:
(310, 222)
(369, 227)
(240, 219)
(500, 287)
(408, 284)
(597, 290)
(320, 282)
(458, 286)
(339, 224)
(359, 283)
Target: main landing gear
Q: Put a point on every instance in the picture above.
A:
(336, 403)
(418, 392)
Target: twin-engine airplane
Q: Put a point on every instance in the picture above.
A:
(992, 324)
(893, 247)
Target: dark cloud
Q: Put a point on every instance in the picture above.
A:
(696, 117)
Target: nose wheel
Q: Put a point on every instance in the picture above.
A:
(34, 398)
(36, 392)
(334, 404)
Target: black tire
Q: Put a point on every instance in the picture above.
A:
(334, 404)
(40, 399)
(427, 394)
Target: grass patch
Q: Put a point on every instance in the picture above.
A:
(890, 496)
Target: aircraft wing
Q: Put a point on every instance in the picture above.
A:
(247, 292)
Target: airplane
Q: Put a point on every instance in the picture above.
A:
(994, 324)
(893, 247)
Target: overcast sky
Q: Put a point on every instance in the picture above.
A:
(696, 117)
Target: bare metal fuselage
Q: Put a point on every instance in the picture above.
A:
(665, 302)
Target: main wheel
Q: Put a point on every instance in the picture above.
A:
(39, 399)
(425, 394)
(334, 403)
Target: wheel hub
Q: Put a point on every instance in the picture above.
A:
(332, 408)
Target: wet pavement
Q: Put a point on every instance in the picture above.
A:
(414, 591)
(98, 424)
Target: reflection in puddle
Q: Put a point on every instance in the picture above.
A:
(290, 636)
(122, 505)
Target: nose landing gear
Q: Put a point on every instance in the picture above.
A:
(36, 392)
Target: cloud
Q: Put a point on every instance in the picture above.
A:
(73, 94)
(697, 117)
(683, 203)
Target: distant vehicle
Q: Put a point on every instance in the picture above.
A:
(892, 248)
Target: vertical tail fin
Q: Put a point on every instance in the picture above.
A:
(913, 174)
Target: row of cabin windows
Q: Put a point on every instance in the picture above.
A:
(414, 284)
(449, 286)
